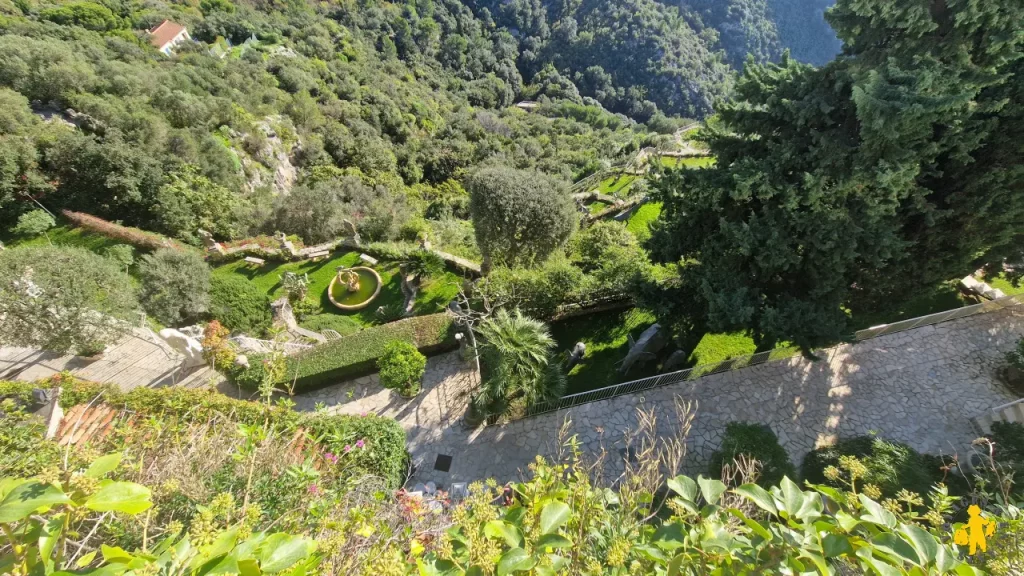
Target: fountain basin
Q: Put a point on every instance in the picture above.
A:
(369, 287)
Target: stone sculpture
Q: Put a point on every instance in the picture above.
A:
(644, 348)
(190, 348)
(350, 230)
(286, 245)
(210, 243)
(577, 354)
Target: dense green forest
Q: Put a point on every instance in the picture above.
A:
(380, 109)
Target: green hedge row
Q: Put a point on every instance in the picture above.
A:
(385, 455)
(356, 355)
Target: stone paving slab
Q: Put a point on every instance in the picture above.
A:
(920, 387)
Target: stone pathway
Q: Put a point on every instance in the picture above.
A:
(140, 359)
(920, 387)
(426, 418)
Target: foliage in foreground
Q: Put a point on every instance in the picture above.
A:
(755, 441)
(558, 521)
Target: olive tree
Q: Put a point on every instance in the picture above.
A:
(63, 299)
(175, 286)
(520, 217)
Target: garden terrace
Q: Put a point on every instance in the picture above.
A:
(433, 296)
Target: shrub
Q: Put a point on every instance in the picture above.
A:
(755, 441)
(175, 286)
(34, 223)
(138, 238)
(518, 359)
(401, 367)
(122, 254)
(385, 458)
(519, 217)
(890, 465)
(357, 355)
(50, 296)
(239, 305)
(539, 291)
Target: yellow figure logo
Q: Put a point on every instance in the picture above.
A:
(977, 529)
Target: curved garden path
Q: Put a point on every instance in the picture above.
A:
(920, 386)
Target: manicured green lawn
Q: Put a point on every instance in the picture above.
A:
(690, 162)
(433, 297)
(1001, 283)
(66, 236)
(616, 185)
(639, 222)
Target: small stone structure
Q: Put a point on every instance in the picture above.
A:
(650, 342)
(287, 246)
(210, 243)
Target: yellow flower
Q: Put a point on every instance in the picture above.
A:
(872, 491)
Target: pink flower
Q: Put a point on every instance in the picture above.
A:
(331, 458)
(363, 415)
(360, 444)
(348, 448)
(314, 489)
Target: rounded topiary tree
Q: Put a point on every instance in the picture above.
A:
(519, 217)
(401, 368)
(63, 299)
(756, 441)
(239, 305)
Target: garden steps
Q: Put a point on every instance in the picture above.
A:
(1012, 412)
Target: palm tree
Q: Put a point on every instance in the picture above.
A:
(517, 355)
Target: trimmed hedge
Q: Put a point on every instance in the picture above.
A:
(356, 355)
(385, 455)
(891, 465)
(755, 441)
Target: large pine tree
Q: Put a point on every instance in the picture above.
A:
(895, 166)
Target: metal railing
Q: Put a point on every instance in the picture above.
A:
(702, 370)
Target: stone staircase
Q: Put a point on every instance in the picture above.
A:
(1012, 412)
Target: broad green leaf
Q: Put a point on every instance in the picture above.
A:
(669, 537)
(711, 489)
(924, 543)
(224, 543)
(475, 571)
(49, 534)
(114, 554)
(880, 566)
(553, 516)
(684, 486)
(674, 564)
(249, 567)
(221, 564)
(818, 561)
(282, 550)
(514, 515)
(893, 544)
(103, 465)
(8, 484)
(792, 497)
(28, 497)
(758, 496)
(650, 553)
(85, 560)
(503, 531)
(876, 514)
(515, 560)
(552, 541)
(965, 569)
(754, 525)
(846, 521)
(127, 497)
(835, 545)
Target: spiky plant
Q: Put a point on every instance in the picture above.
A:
(517, 352)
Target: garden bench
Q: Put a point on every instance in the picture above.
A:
(255, 260)
(320, 254)
(368, 259)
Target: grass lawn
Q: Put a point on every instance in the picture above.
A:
(616, 185)
(691, 162)
(639, 222)
(433, 297)
(66, 236)
(942, 297)
(1001, 283)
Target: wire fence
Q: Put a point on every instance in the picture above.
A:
(775, 355)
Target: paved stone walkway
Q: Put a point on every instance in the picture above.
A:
(426, 418)
(139, 360)
(920, 387)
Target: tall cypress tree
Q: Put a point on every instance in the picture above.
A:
(871, 176)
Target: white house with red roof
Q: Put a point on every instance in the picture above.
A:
(166, 35)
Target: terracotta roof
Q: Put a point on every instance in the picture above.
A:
(164, 33)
